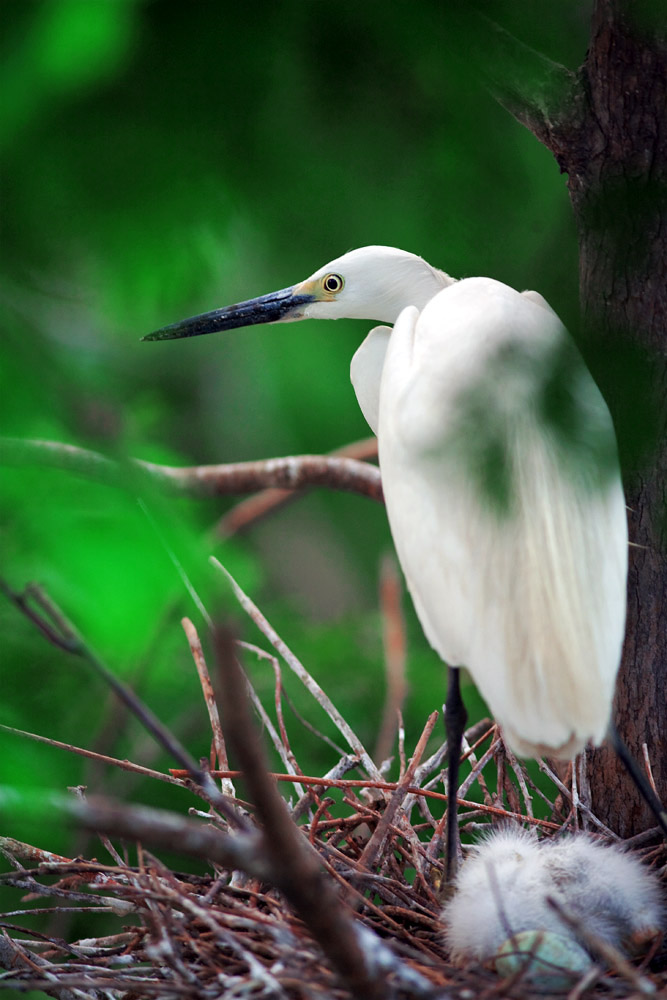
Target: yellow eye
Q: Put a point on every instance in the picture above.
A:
(332, 283)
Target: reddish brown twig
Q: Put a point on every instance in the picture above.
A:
(375, 844)
(211, 705)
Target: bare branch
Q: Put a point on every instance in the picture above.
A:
(211, 706)
(375, 844)
(124, 765)
(249, 512)
(53, 623)
(296, 867)
(293, 473)
(298, 668)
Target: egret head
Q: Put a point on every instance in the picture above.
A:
(373, 283)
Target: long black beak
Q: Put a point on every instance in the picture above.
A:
(283, 305)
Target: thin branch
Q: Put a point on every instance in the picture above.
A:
(375, 844)
(249, 512)
(101, 758)
(576, 802)
(296, 867)
(55, 626)
(293, 473)
(157, 827)
(391, 786)
(211, 706)
(298, 668)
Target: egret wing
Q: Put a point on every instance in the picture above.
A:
(509, 520)
(366, 373)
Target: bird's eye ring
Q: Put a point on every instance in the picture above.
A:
(332, 283)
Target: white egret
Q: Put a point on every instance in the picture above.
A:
(501, 482)
(503, 886)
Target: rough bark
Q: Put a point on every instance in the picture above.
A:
(607, 128)
(617, 176)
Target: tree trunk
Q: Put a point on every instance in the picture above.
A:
(617, 169)
(607, 127)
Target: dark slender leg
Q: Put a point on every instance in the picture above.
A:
(455, 721)
(637, 775)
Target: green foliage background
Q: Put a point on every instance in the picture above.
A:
(164, 158)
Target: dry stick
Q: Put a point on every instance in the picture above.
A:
(401, 744)
(389, 786)
(280, 749)
(211, 706)
(476, 769)
(544, 767)
(649, 770)
(80, 792)
(297, 667)
(169, 831)
(375, 844)
(394, 645)
(13, 954)
(284, 739)
(295, 866)
(475, 736)
(345, 764)
(52, 622)
(254, 509)
(262, 654)
(124, 765)
(294, 472)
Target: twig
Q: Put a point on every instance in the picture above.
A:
(375, 844)
(281, 749)
(124, 765)
(345, 764)
(390, 786)
(293, 473)
(544, 767)
(520, 777)
(298, 668)
(211, 706)
(12, 952)
(167, 831)
(295, 867)
(262, 654)
(249, 512)
(53, 624)
(649, 770)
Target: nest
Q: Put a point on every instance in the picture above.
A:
(332, 890)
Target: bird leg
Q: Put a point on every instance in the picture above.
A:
(643, 787)
(455, 720)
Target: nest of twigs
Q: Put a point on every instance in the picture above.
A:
(305, 897)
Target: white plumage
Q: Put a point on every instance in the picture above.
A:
(501, 481)
(501, 890)
(526, 591)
